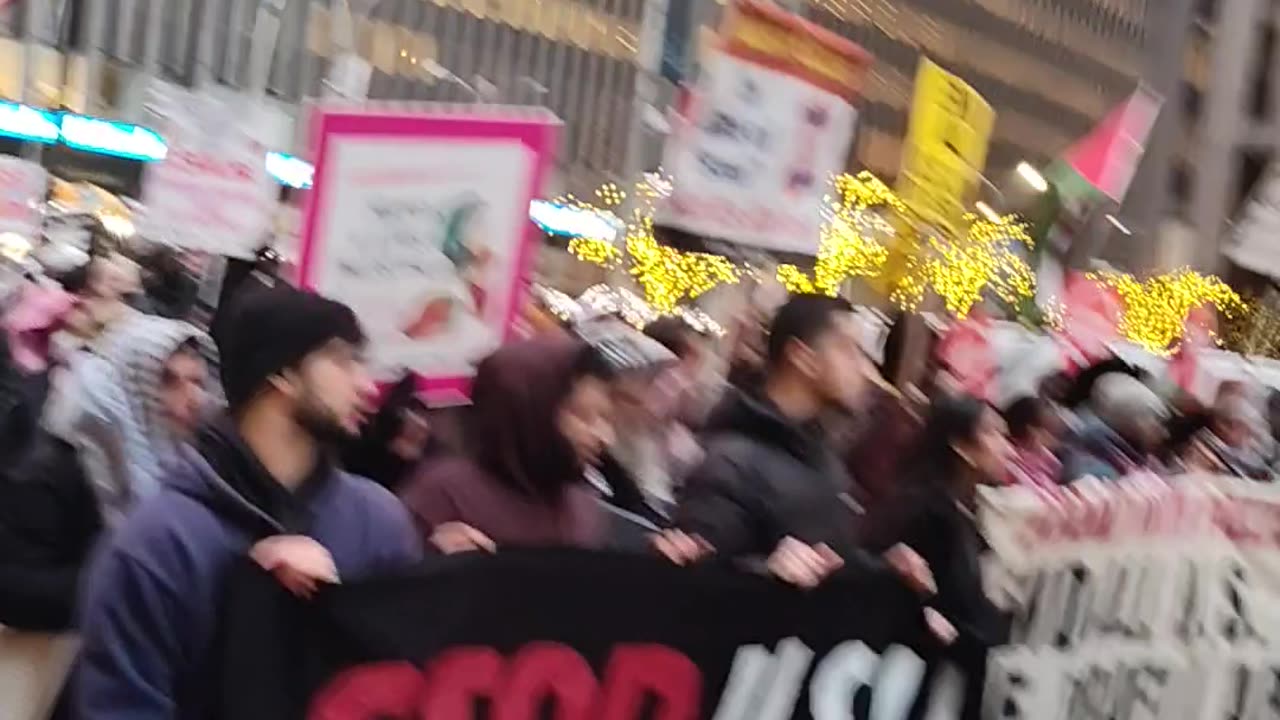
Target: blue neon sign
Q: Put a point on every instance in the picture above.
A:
(112, 138)
(27, 123)
(289, 170)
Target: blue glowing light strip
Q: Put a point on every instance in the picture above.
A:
(108, 137)
(27, 123)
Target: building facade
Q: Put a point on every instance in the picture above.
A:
(1051, 68)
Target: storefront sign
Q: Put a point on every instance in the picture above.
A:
(27, 123)
(573, 222)
(946, 147)
(770, 125)
(112, 138)
(420, 222)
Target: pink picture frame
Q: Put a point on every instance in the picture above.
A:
(538, 134)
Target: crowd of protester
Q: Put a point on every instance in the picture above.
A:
(143, 456)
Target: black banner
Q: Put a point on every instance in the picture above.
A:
(583, 636)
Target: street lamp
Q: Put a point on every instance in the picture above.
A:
(987, 211)
(1115, 222)
(1032, 176)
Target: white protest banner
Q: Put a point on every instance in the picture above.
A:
(1136, 599)
(212, 192)
(769, 127)
(419, 220)
(23, 185)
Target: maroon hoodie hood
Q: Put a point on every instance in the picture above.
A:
(511, 431)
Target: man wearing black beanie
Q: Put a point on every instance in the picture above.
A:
(257, 481)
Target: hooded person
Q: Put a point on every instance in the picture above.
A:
(126, 406)
(539, 417)
(1125, 429)
(257, 481)
(395, 439)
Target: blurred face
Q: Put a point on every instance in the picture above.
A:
(1146, 431)
(331, 391)
(989, 450)
(631, 394)
(415, 430)
(837, 365)
(182, 391)
(1233, 431)
(585, 419)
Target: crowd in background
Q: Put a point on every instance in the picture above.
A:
(141, 455)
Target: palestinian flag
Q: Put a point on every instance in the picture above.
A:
(1102, 163)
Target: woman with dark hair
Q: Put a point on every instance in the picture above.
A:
(395, 439)
(1034, 429)
(962, 446)
(539, 417)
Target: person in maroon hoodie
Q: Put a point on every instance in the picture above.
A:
(539, 417)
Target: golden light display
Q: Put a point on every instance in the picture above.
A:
(669, 276)
(850, 244)
(853, 244)
(960, 272)
(1155, 310)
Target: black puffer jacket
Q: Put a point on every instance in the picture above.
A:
(765, 478)
(49, 521)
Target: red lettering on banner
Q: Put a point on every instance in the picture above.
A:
(539, 674)
(457, 679)
(380, 690)
(637, 671)
(547, 671)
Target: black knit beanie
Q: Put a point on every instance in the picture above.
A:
(271, 329)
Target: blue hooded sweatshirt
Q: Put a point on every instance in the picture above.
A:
(149, 614)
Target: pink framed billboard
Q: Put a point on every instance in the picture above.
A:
(419, 220)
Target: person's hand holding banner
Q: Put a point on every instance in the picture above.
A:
(802, 565)
(298, 562)
(681, 548)
(912, 568)
(457, 537)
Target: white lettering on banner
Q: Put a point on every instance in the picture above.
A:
(766, 686)
(1137, 600)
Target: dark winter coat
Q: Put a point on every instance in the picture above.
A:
(764, 478)
(49, 521)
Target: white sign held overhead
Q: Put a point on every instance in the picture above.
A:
(753, 155)
(212, 192)
(1252, 243)
(23, 186)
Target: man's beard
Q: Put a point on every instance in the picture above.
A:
(320, 423)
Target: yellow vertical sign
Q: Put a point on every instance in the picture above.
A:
(942, 159)
(946, 148)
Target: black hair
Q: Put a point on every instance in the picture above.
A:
(589, 361)
(803, 318)
(951, 419)
(895, 345)
(674, 333)
(1025, 414)
(1082, 390)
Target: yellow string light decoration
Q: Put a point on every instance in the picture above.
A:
(988, 257)
(849, 244)
(595, 251)
(669, 276)
(1155, 311)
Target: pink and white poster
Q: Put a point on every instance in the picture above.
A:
(420, 222)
